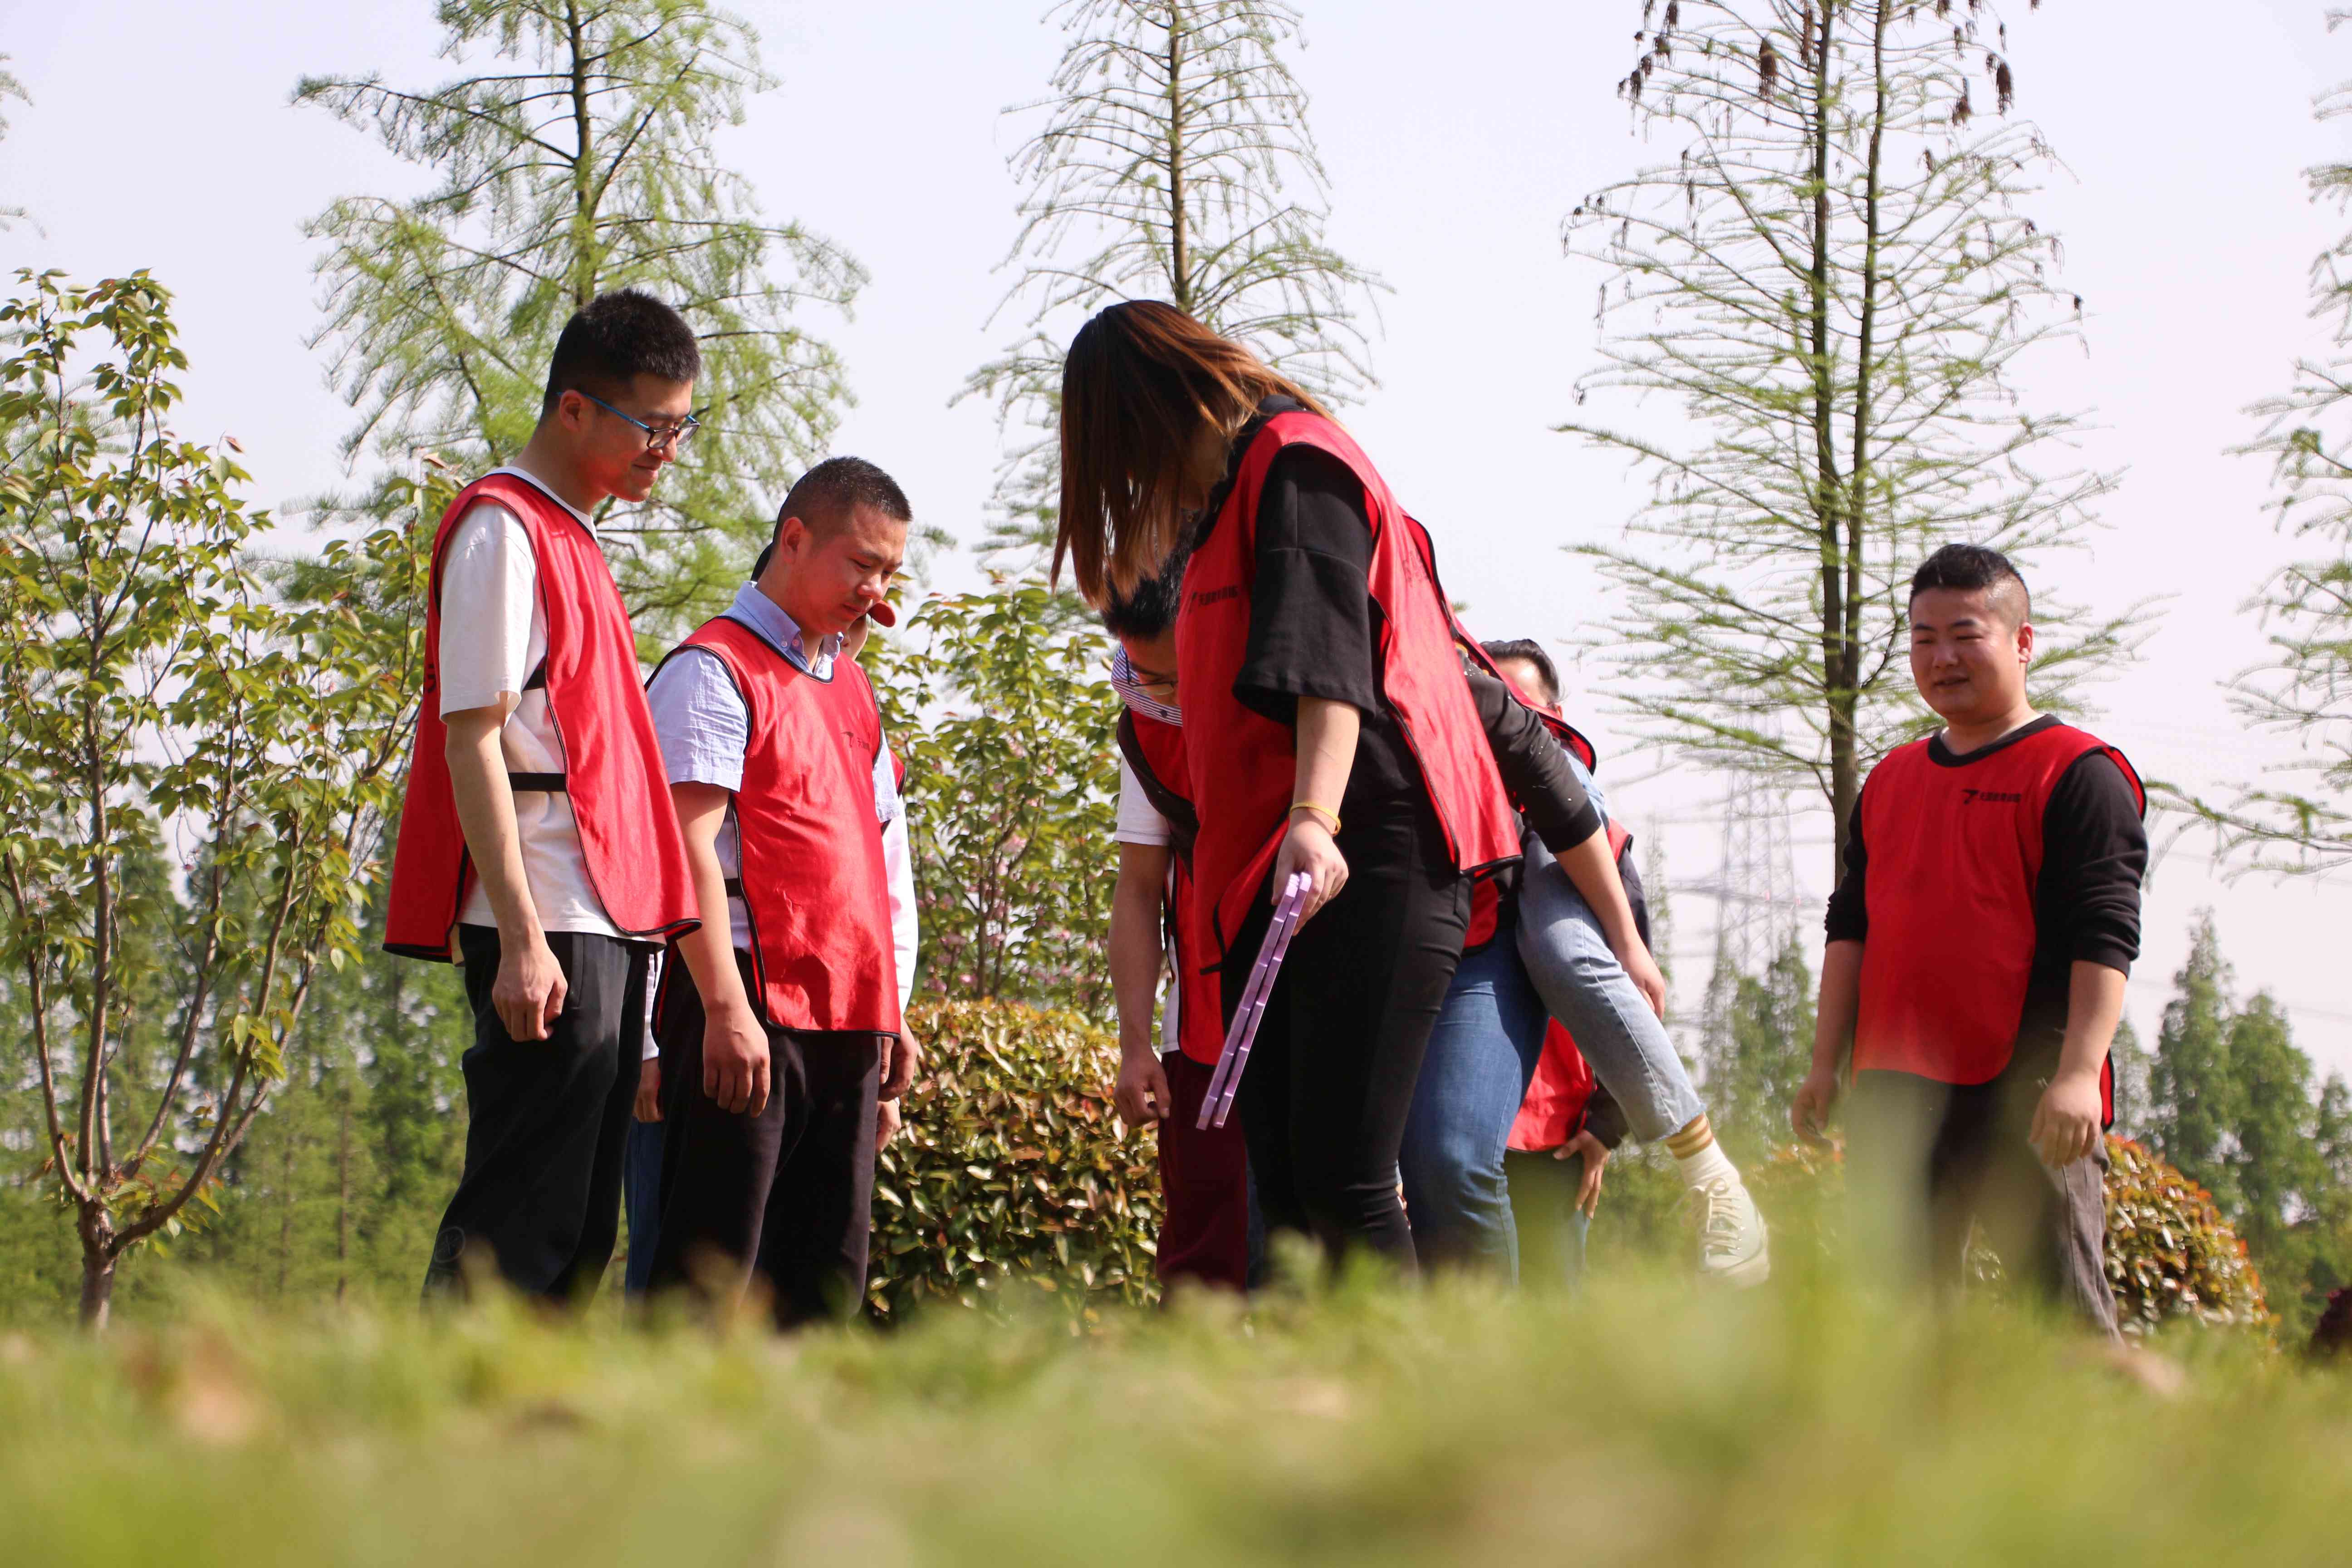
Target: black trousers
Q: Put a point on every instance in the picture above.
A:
(1331, 1078)
(788, 1195)
(539, 1198)
(1927, 1161)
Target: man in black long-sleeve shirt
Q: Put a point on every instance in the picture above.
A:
(1979, 943)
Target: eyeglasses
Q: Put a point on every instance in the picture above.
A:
(656, 434)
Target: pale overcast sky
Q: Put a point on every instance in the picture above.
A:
(1458, 136)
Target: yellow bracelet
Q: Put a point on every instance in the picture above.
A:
(1300, 806)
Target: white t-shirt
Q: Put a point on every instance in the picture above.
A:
(493, 635)
(1139, 821)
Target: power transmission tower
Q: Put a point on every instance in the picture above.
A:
(1757, 907)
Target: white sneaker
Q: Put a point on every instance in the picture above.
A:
(1732, 1245)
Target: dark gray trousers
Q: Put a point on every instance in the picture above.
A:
(1927, 1161)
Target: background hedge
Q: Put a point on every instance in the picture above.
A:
(1014, 1167)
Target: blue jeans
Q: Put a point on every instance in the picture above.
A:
(641, 1166)
(1482, 1054)
(1583, 984)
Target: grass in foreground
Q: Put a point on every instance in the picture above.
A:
(1642, 1424)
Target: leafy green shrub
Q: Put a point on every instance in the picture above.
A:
(1014, 1163)
(2171, 1255)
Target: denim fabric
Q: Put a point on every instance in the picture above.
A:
(641, 1165)
(1552, 1228)
(1583, 984)
(1481, 1055)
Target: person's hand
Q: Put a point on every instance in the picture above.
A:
(1642, 970)
(1596, 1154)
(529, 989)
(1809, 1113)
(648, 1106)
(1140, 1095)
(887, 1122)
(1308, 847)
(735, 1060)
(902, 1059)
(2066, 1123)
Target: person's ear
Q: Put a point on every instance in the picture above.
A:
(571, 410)
(791, 536)
(2025, 642)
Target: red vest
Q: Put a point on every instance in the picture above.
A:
(1953, 857)
(1553, 1110)
(620, 794)
(812, 881)
(1242, 764)
(1156, 753)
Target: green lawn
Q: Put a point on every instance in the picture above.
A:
(1643, 1424)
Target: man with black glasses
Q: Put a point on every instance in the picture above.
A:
(538, 842)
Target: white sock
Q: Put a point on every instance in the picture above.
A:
(1708, 1165)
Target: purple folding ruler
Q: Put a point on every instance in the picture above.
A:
(1244, 1028)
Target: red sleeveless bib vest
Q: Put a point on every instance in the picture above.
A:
(1563, 1082)
(1242, 764)
(813, 879)
(620, 794)
(1953, 857)
(1156, 753)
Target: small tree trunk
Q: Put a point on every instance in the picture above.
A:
(284, 1213)
(343, 1198)
(96, 1289)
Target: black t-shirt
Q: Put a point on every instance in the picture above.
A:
(2086, 900)
(1315, 631)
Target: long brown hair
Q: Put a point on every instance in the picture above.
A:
(1138, 383)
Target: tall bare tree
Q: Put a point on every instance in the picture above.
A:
(1831, 280)
(1174, 163)
(578, 157)
(2300, 819)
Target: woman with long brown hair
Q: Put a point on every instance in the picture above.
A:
(1330, 731)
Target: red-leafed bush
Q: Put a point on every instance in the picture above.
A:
(2171, 1257)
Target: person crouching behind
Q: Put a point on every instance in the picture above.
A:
(1207, 1224)
(781, 1024)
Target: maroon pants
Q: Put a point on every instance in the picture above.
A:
(1204, 1184)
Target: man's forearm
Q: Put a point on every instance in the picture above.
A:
(708, 950)
(1135, 960)
(1840, 1005)
(486, 815)
(1135, 946)
(2094, 1006)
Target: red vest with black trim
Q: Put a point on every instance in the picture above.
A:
(620, 797)
(1156, 753)
(1562, 1086)
(1954, 858)
(813, 882)
(1242, 764)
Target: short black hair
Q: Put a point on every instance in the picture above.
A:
(1532, 651)
(615, 338)
(1965, 567)
(1149, 609)
(827, 495)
